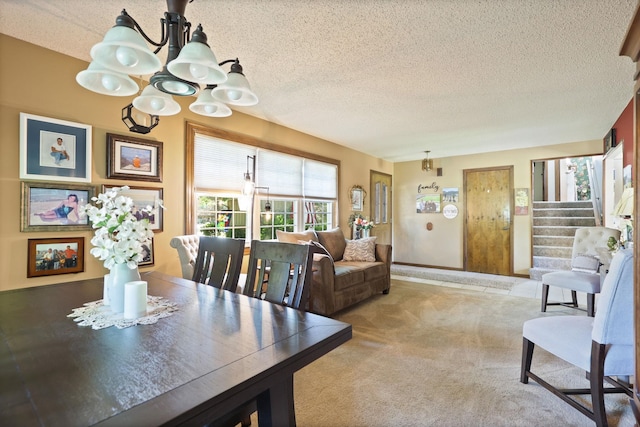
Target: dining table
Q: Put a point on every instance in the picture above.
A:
(215, 353)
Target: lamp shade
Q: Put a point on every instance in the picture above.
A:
(197, 63)
(154, 102)
(206, 105)
(235, 91)
(99, 79)
(624, 207)
(124, 50)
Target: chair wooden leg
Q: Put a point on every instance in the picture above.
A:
(597, 384)
(574, 298)
(527, 355)
(545, 296)
(591, 300)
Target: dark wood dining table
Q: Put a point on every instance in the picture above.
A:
(218, 351)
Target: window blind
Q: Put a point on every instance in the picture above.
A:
(220, 165)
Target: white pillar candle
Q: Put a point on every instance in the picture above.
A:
(135, 299)
(105, 291)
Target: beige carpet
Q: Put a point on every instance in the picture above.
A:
(434, 356)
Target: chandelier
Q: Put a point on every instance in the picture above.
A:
(427, 163)
(191, 68)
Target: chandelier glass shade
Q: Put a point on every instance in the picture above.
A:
(191, 68)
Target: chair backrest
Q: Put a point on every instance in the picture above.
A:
(587, 239)
(280, 273)
(613, 323)
(187, 247)
(219, 262)
(586, 242)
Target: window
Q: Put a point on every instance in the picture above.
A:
(302, 187)
(220, 216)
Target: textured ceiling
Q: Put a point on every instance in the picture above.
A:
(394, 78)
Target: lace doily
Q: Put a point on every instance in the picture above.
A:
(99, 316)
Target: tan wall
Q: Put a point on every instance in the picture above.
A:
(443, 245)
(42, 82)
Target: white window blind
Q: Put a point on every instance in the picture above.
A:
(220, 164)
(282, 173)
(320, 179)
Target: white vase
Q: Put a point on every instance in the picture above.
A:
(119, 275)
(364, 233)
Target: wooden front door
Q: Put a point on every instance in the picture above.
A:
(488, 206)
(380, 204)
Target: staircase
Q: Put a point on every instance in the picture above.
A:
(554, 225)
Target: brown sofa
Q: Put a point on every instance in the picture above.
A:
(339, 281)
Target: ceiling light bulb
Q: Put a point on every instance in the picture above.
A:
(234, 95)
(127, 56)
(176, 87)
(210, 108)
(110, 82)
(157, 104)
(198, 71)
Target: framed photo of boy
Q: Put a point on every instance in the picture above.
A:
(133, 158)
(54, 150)
(54, 207)
(143, 197)
(47, 257)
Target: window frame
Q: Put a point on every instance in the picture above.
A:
(190, 192)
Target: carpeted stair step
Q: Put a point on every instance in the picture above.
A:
(557, 241)
(564, 221)
(540, 213)
(553, 251)
(551, 263)
(583, 204)
(563, 230)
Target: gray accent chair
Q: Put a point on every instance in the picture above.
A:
(584, 275)
(602, 346)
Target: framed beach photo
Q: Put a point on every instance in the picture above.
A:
(54, 207)
(143, 197)
(133, 158)
(47, 257)
(54, 150)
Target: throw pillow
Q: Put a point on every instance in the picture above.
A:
(585, 263)
(360, 250)
(334, 241)
(289, 237)
(321, 250)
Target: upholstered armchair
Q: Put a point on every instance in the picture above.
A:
(187, 247)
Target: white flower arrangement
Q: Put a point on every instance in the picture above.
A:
(119, 235)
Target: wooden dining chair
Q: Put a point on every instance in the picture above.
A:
(218, 262)
(280, 273)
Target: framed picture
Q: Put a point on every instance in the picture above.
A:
(133, 158)
(522, 201)
(143, 197)
(47, 257)
(54, 207)
(428, 203)
(450, 195)
(356, 196)
(610, 141)
(148, 255)
(54, 150)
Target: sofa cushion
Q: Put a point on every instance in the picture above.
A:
(347, 275)
(289, 237)
(334, 241)
(360, 250)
